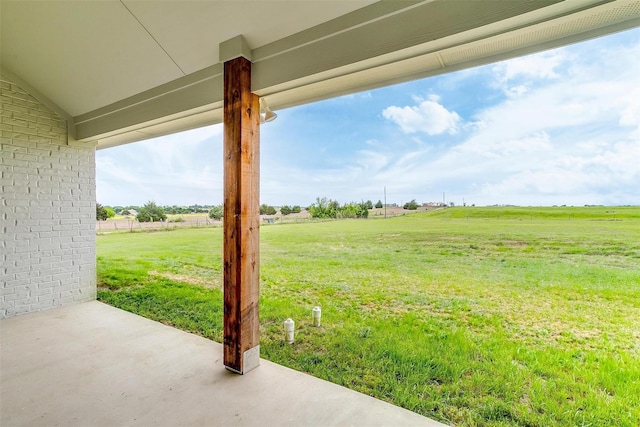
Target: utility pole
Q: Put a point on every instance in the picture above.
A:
(385, 202)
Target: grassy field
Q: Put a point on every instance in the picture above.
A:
(472, 316)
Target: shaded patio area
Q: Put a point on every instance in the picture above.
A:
(91, 364)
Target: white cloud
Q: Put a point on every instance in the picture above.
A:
(577, 179)
(429, 117)
(516, 77)
(539, 66)
(630, 113)
(515, 91)
(527, 145)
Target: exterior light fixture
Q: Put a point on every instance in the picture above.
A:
(266, 115)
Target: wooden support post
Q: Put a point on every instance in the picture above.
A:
(241, 218)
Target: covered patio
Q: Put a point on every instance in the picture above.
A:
(81, 76)
(92, 364)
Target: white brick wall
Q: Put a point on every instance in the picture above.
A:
(47, 211)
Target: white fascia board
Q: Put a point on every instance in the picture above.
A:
(192, 94)
(166, 126)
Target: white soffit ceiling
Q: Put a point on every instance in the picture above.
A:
(190, 31)
(84, 55)
(81, 54)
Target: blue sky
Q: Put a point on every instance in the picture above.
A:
(559, 127)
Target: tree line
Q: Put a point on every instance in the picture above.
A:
(322, 208)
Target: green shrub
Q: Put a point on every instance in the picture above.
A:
(286, 210)
(267, 210)
(151, 213)
(101, 212)
(216, 212)
(411, 206)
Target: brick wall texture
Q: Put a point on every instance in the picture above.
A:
(47, 218)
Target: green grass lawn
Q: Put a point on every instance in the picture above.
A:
(472, 316)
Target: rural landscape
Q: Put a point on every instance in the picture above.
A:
(474, 316)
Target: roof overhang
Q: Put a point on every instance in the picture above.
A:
(362, 46)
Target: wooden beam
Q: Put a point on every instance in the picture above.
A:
(241, 218)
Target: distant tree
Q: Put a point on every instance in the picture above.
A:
(379, 204)
(349, 210)
(216, 212)
(198, 209)
(327, 208)
(286, 210)
(355, 210)
(110, 212)
(363, 212)
(143, 216)
(411, 206)
(151, 213)
(101, 212)
(296, 209)
(324, 208)
(267, 210)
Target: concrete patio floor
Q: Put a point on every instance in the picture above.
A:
(94, 365)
